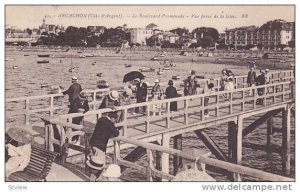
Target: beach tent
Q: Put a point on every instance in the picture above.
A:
(254, 49)
(184, 53)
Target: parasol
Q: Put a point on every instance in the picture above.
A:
(20, 135)
(133, 75)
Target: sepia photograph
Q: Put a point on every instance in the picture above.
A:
(150, 93)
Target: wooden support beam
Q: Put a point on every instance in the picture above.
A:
(269, 135)
(211, 145)
(286, 141)
(165, 156)
(260, 121)
(177, 161)
(158, 163)
(135, 155)
(235, 145)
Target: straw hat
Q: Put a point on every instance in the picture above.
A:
(156, 81)
(113, 95)
(267, 70)
(74, 78)
(82, 96)
(96, 162)
(113, 170)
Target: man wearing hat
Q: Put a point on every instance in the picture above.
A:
(157, 94)
(104, 130)
(260, 80)
(96, 161)
(141, 94)
(73, 92)
(171, 92)
(190, 84)
(110, 100)
(124, 99)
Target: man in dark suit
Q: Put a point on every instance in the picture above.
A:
(104, 130)
(73, 92)
(141, 94)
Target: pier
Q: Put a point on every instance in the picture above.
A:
(151, 134)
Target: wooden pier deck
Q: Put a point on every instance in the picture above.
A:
(224, 107)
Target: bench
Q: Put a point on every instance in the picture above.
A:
(38, 168)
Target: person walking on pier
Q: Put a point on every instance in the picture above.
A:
(251, 78)
(104, 130)
(260, 80)
(171, 92)
(73, 92)
(223, 80)
(157, 94)
(191, 84)
(141, 94)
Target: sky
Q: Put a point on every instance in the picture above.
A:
(166, 17)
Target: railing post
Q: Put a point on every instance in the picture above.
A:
(125, 122)
(168, 115)
(186, 111)
(286, 141)
(147, 119)
(94, 100)
(150, 165)
(165, 156)
(51, 106)
(27, 115)
(116, 155)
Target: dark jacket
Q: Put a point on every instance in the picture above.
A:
(251, 78)
(171, 92)
(190, 86)
(141, 91)
(104, 130)
(73, 92)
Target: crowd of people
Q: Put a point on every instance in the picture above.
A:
(105, 127)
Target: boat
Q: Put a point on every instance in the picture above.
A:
(15, 67)
(94, 63)
(90, 55)
(282, 61)
(43, 61)
(160, 72)
(79, 51)
(82, 56)
(154, 59)
(9, 59)
(44, 85)
(162, 55)
(72, 69)
(43, 55)
(128, 65)
(166, 68)
(101, 84)
(147, 70)
(26, 55)
(99, 74)
(175, 77)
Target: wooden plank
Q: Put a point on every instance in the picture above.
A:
(211, 145)
(209, 161)
(269, 135)
(165, 156)
(286, 141)
(260, 121)
(177, 161)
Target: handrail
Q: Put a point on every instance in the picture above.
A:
(209, 161)
(287, 76)
(149, 103)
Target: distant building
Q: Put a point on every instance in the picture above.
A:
(165, 36)
(50, 29)
(139, 35)
(152, 26)
(96, 30)
(270, 35)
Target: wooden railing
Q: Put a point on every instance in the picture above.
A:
(152, 172)
(240, 82)
(275, 93)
